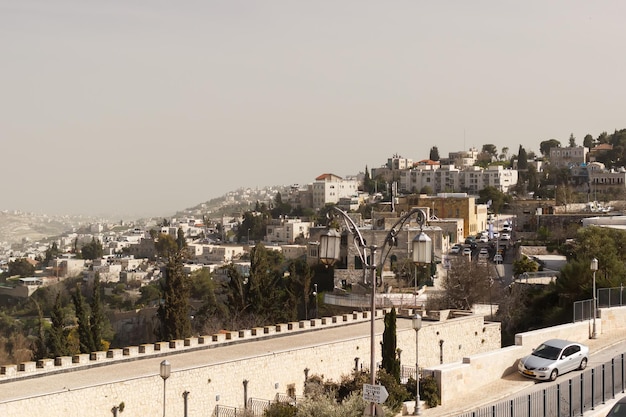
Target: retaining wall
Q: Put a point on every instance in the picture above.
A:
(485, 368)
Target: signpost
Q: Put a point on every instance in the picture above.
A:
(375, 393)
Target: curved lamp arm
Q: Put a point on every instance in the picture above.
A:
(357, 237)
(390, 239)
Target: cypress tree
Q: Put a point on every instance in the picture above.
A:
(56, 341)
(390, 362)
(85, 337)
(97, 317)
(174, 310)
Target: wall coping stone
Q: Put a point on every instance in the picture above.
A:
(102, 358)
(98, 356)
(30, 366)
(81, 358)
(115, 353)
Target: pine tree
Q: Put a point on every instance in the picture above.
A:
(390, 362)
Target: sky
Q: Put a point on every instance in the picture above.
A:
(136, 108)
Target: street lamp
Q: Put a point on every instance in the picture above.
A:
(164, 371)
(417, 325)
(315, 295)
(594, 268)
(329, 253)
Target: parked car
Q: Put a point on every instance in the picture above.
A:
(497, 258)
(483, 254)
(467, 251)
(456, 249)
(618, 409)
(552, 358)
(484, 239)
(505, 236)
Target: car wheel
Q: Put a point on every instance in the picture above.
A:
(583, 364)
(554, 374)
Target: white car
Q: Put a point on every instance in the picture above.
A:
(484, 239)
(505, 236)
(456, 249)
(483, 254)
(497, 258)
(467, 251)
(552, 358)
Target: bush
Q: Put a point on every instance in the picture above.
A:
(429, 391)
(280, 410)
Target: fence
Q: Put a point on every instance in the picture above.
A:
(255, 407)
(611, 297)
(606, 298)
(568, 398)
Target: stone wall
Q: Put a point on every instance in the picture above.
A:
(485, 368)
(447, 337)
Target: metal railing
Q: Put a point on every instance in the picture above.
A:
(606, 298)
(572, 397)
(611, 297)
(255, 406)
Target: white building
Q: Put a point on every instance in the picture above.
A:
(287, 230)
(329, 188)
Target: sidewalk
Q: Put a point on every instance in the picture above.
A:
(511, 384)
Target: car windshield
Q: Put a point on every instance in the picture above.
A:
(547, 352)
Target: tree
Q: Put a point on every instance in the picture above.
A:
(92, 250)
(491, 150)
(181, 242)
(56, 341)
(524, 264)
(21, 267)
(173, 312)
(97, 319)
(390, 362)
(498, 198)
(522, 159)
(85, 337)
(428, 190)
(166, 246)
(588, 141)
(546, 145)
(51, 253)
(465, 284)
(505, 153)
(572, 140)
(434, 154)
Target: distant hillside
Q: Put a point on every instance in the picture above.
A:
(16, 226)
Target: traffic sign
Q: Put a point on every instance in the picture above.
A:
(375, 393)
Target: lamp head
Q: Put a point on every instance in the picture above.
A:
(417, 322)
(164, 370)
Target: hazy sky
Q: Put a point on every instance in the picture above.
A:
(144, 107)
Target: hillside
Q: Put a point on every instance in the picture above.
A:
(16, 226)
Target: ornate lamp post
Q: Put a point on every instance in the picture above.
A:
(329, 253)
(594, 268)
(417, 325)
(164, 371)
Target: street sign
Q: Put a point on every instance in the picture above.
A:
(375, 393)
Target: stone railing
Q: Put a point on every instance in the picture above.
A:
(42, 367)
